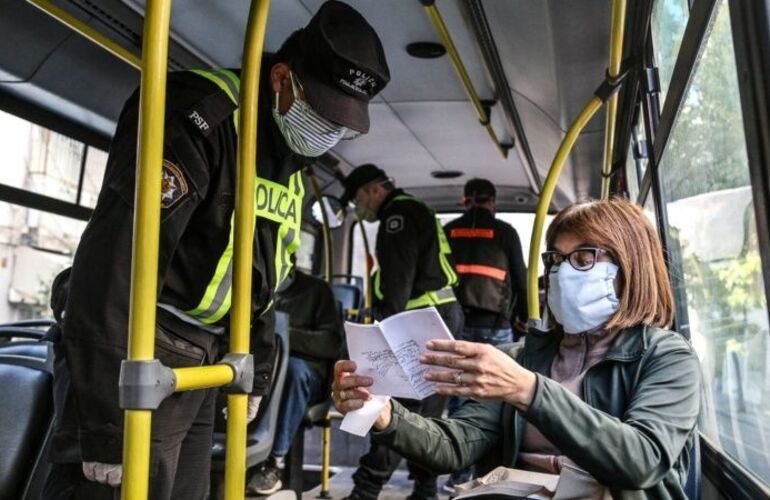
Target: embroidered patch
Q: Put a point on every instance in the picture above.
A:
(173, 185)
(394, 223)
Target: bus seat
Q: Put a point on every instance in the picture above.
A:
(692, 486)
(25, 425)
(30, 348)
(260, 435)
(349, 296)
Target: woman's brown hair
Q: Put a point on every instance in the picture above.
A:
(621, 228)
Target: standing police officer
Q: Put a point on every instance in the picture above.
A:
(314, 92)
(415, 271)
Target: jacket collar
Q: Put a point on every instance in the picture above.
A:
(388, 200)
(541, 347)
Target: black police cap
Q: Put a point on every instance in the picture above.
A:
(359, 177)
(479, 189)
(343, 65)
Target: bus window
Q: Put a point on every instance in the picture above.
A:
(669, 18)
(34, 247)
(358, 262)
(708, 196)
(45, 162)
(305, 251)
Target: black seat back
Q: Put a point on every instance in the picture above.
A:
(26, 389)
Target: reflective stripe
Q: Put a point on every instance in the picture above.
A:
(437, 298)
(482, 270)
(467, 232)
(272, 201)
(213, 329)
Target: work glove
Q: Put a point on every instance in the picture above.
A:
(110, 474)
(251, 408)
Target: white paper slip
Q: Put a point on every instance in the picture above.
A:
(389, 352)
(359, 422)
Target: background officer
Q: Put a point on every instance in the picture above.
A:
(415, 271)
(492, 277)
(315, 90)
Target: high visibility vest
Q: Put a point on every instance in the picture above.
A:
(444, 295)
(272, 201)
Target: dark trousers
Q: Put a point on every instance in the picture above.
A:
(376, 467)
(180, 450)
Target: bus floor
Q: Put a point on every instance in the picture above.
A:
(341, 483)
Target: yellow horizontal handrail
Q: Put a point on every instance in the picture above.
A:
(87, 31)
(544, 202)
(202, 377)
(613, 70)
(465, 79)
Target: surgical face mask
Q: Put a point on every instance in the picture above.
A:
(306, 132)
(582, 300)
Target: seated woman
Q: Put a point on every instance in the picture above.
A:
(608, 390)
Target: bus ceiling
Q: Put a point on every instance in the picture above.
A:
(547, 61)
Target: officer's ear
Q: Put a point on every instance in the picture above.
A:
(280, 83)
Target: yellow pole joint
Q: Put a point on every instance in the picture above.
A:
(144, 270)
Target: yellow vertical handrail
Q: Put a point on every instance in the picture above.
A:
(613, 71)
(243, 239)
(368, 278)
(462, 73)
(144, 254)
(544, 202)
(328, 273)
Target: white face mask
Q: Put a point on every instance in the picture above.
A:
(582, 300)
(306, 132)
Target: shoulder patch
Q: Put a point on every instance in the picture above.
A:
(174, 186)
(394, 224)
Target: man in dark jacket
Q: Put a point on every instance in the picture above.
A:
(492, 286)
(315, 90)
(315, 342)
(415, 271)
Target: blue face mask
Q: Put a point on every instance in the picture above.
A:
(582, 300)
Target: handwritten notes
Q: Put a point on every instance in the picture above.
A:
(389, 352)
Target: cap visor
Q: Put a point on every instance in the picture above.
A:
(335, 105)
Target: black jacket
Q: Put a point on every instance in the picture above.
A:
(197, 205)
(490, 266)
(315, 326)
(407, 254)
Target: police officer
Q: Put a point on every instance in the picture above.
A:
(492, 286)
(315, 91)
(415, 271)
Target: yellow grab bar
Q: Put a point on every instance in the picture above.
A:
(144, 258)
(240, 313)
(613, 71)
(544, 202)
(202, 377)
(87, 31)
(457, 62)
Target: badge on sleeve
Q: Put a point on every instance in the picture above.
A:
(394, 224)
(174, 187)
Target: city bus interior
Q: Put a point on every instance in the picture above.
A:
(479, 88)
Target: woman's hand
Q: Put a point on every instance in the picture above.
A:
(479, 371)
(349, 392)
